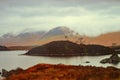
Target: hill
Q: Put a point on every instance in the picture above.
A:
(56, 34)
(64, 72)
(22, 39)
(62, 30)
(67, 48)
(106, 39)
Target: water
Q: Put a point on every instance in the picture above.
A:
(12, 60)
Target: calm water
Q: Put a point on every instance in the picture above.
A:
(12, 59)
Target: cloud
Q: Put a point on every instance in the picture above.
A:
(97, 17)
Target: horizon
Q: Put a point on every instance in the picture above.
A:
(46, 31)
(90, 18)
(28, 37)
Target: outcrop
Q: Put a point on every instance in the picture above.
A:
(114, 59)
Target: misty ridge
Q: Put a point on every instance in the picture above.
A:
(21, 38)
(31, 38)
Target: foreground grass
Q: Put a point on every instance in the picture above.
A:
(65, 72)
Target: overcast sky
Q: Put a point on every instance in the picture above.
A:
(88, 17)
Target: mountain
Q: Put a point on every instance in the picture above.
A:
(58, 31)
(22, 39)
(57, 34)
(35, 38)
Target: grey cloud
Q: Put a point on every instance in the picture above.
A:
(88, 16)
(53, 11)
(61, 3)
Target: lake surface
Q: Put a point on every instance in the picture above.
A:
(12, 60)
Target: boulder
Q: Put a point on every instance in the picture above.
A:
(114, 59)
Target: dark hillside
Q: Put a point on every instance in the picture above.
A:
(67, 48)
(3, 48)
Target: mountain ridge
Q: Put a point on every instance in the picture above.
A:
(57, 33)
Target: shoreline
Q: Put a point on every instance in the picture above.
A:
(64, 72)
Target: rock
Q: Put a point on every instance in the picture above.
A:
(114, 59)
(87, 62)
(104, 61)
(6, 73)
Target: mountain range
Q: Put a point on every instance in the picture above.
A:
(58, 33)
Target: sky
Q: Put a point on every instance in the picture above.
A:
(88, 17)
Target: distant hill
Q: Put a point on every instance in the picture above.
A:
(56, 34)
(67, 48)
(57, 31)
(22, 39)
(106, 39)
(3, 48)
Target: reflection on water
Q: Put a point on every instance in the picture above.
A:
(13, 59)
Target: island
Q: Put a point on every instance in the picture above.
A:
(68, 48)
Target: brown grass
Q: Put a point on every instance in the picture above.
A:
(66, 72)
